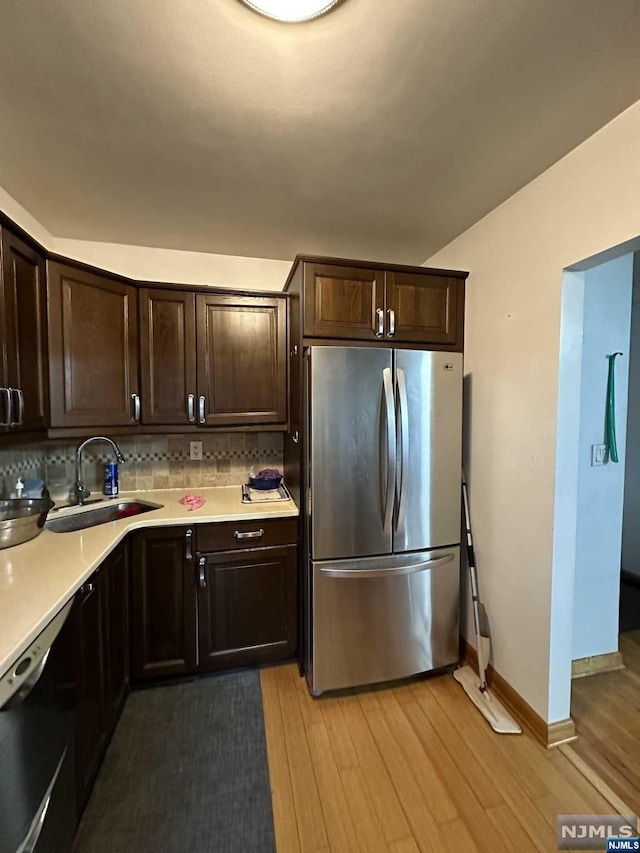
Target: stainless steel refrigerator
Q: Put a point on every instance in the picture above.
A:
(383, 538)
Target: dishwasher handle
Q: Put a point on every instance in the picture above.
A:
(35, 830)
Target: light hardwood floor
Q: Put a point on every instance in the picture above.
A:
(606, 711)
(410, 769)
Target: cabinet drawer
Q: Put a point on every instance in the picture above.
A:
(228, 535)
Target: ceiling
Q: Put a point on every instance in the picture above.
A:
(380, 131)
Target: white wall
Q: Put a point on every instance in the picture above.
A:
(606, 324)
(631, 518)
(149, 264)
(584, 204)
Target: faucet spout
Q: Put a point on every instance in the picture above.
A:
(80, 493)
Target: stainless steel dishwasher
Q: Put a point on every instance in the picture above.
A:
(38, 807)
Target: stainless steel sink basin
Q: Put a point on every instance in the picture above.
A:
(99, 515)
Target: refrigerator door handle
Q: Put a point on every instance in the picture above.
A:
(354, 574)
(404, 449)
(387, 385)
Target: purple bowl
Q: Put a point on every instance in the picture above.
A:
(264, 483)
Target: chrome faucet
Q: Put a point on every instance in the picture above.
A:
(80, 494)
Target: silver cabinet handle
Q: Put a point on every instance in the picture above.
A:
(136, 407)
(19, 396)
(391, 314)
(390, 415)
(35, 830)
(201, 409)
(250, 534)
(13, 421)
(379, 330)
(191, 408)
(202, 574)
(294, 351)
(295, 436)
(354, 574)
(403, 412)
(8, 407)
(188, 545)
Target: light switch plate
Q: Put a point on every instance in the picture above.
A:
(195, 450)
(598, 454)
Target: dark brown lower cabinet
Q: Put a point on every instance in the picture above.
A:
(90, 729)
(163, 604)
(247, 607)
(194, 613)
(102, 668)
(116, 634)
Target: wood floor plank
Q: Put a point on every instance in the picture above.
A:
(362, 811)
(463, 756)
(606, 711)
(481, 744)
(284, 814)
(423, 825)
(509, 828)
(468, 805)
(341, 743)
(311, 828)
(385, 799)
(434, 792)
(456, 838)
(337, 818)
(406, 845)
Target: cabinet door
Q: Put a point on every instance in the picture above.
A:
(93, 349)
(168, 356)
(247, 607)
(23, 274)
(424, 309)
(90, 730)
(242, 360)
(163, 604)
(116, 631)
(343, 302)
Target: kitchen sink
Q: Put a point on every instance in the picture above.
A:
(99, 515)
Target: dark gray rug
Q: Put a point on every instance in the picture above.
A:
(186, 772)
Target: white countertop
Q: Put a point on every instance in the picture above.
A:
(40, 576)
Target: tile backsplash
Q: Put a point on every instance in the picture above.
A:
(152, 462)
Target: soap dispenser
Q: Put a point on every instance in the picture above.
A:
(19, 488)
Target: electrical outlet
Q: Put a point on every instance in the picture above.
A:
(195, 450)
(598, 454)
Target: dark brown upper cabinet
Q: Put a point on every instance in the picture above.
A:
(343, 302)
(423, 308)
(242, 360)
(23, 337)
(358, 301)
(168, 356)
(93, 349)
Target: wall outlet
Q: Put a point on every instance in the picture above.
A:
(195, 450)
(598, 454)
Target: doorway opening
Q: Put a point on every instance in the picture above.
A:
(597, 517)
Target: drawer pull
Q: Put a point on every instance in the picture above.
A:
(250, 534)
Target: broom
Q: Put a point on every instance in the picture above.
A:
(475, 686)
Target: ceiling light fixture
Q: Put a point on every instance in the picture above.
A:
(291, 11)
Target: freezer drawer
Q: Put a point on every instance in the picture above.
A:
(383, 618)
